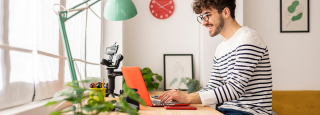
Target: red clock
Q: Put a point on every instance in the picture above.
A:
(161, 9)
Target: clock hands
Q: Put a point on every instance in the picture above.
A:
(162, 6)
(166, 9)
(158, 4)
(165, 5)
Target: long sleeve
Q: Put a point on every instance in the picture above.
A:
(215, 78)
(238, 67)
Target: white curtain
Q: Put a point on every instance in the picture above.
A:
(93, 38)
(47, 66)
(33, 64)
(17, 64)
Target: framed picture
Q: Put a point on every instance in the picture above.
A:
(176, 68)
(294, 16)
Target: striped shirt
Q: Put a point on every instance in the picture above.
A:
(241, 75)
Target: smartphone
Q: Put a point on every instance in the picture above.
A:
(181, 107)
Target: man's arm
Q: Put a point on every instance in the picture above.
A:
(244, 60)
(180, 97)
(194, 98)
(214, 81)
(215, 78)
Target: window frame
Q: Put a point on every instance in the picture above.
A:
(6, 48)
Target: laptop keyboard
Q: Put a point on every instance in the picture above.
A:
(158, 103)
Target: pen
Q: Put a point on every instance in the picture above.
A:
(93, 85)
(103, 83)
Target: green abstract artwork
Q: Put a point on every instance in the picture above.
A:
(294, 11)
(294, 16)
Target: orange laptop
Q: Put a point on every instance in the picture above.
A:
(134, 79)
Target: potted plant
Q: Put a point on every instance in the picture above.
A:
(86, 106)
(193, 85)
(151, 82)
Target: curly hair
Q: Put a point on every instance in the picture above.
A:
(217, 4)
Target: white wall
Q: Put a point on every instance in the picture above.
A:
(1, 26)
(146, 38)
(294, 56)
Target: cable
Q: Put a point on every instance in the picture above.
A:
(93, 11)
(65, 9)
(60, 6)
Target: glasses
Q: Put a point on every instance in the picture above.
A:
(204, 17)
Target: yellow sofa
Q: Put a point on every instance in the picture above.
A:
(296, 102)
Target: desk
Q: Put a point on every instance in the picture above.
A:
(146, 110)
(161, 111)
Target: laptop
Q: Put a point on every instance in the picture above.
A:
(134, 79)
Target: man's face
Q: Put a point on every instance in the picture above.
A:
(215, 23)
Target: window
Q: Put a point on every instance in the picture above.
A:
(33, 63)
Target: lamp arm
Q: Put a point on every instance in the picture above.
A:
(80, 9)
(64, 37)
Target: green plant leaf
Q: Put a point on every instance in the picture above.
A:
(56, 113)
(126, 108)
(173, 81)
(92, 102)
(147, 78)
(124, 104)
(159, 77)
(87, 108)
(90, 80)
(108, 107)
(193, 85)
(64, 91)
(79, 113)
(143, 71)
(156, 85)
(84, 97)
(98, 107)
(148, 70)
(71, 97)
(132, 94)
(183, 80)
(150, 86)
(132, 112)
(50, 103)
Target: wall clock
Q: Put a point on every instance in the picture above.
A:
(161, 9)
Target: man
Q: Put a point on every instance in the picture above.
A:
(241, 75)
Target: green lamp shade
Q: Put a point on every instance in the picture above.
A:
(118, 10)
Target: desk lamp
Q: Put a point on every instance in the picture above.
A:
(114, 10)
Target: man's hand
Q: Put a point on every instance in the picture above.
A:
(180, 97)
(174, 95)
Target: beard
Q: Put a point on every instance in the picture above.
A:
(218, 28)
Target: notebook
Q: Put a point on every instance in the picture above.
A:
(134, 79)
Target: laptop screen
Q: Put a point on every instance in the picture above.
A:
(134, 80)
